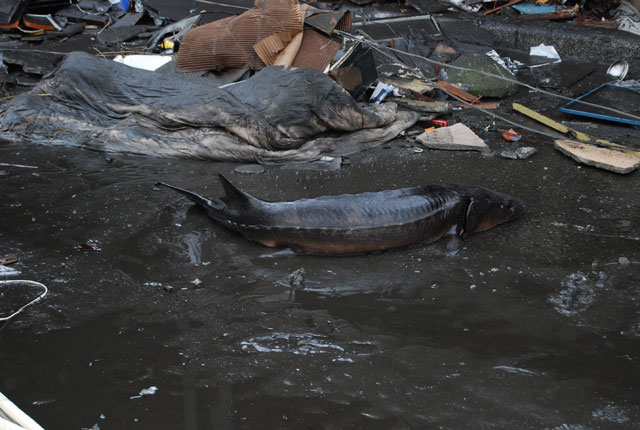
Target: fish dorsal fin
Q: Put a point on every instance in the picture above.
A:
(234, 196)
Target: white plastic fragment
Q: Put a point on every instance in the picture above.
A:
(543, 50)
(382, 90)
(146, 392)
(145, 62)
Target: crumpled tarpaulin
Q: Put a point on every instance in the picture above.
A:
(280, 114)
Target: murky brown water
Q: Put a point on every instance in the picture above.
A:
(534, 324)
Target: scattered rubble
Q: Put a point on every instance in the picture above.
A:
(479, 84)
(423, 67)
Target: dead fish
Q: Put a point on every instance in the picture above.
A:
(360, 223)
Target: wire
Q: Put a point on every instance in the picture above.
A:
(378, 47)
(34, 283)
(222, 4)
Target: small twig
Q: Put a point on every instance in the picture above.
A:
(100, 52)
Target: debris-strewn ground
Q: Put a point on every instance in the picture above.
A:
(158, 318)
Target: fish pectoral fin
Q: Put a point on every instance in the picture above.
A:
(450, 244)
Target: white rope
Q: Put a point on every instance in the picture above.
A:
(26, 282)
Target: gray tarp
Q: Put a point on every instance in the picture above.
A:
(280, 114)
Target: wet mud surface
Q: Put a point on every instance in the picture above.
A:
(534, 324)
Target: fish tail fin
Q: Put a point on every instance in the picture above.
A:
(197, 198)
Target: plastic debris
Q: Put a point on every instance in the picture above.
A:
(511, 135)
(543, 50)
(531, 8)
(382, 90)
(626, 103)
(146, 392)
(144, 62)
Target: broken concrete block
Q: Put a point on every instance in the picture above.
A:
(603, 158)
(458, 137)
(525, 152)
(479, 84)
(511, 155)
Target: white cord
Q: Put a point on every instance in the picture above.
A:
(34, 283)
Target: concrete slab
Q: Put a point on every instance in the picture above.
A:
(458, 137)
(603, 158)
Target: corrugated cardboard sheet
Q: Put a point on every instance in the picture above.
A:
(316, 51)
(269, 34)
(269, 47)
(229, 42)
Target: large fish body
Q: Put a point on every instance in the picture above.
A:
(360, 223)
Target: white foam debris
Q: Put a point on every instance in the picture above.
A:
(578, 294)
(146, 392)
(611, 413)
(296, 343)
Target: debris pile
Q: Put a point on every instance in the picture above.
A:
(239, 91)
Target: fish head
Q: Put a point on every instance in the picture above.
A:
(486, 209)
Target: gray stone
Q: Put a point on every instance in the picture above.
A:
(479, 84)
(296, 278)
(511, 155)
(525, 152)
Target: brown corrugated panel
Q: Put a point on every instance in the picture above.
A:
(346, 22)
(316, 50)
(270, 47)
(228, 43)
(288, 54)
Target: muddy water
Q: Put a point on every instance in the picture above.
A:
(535, 324)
